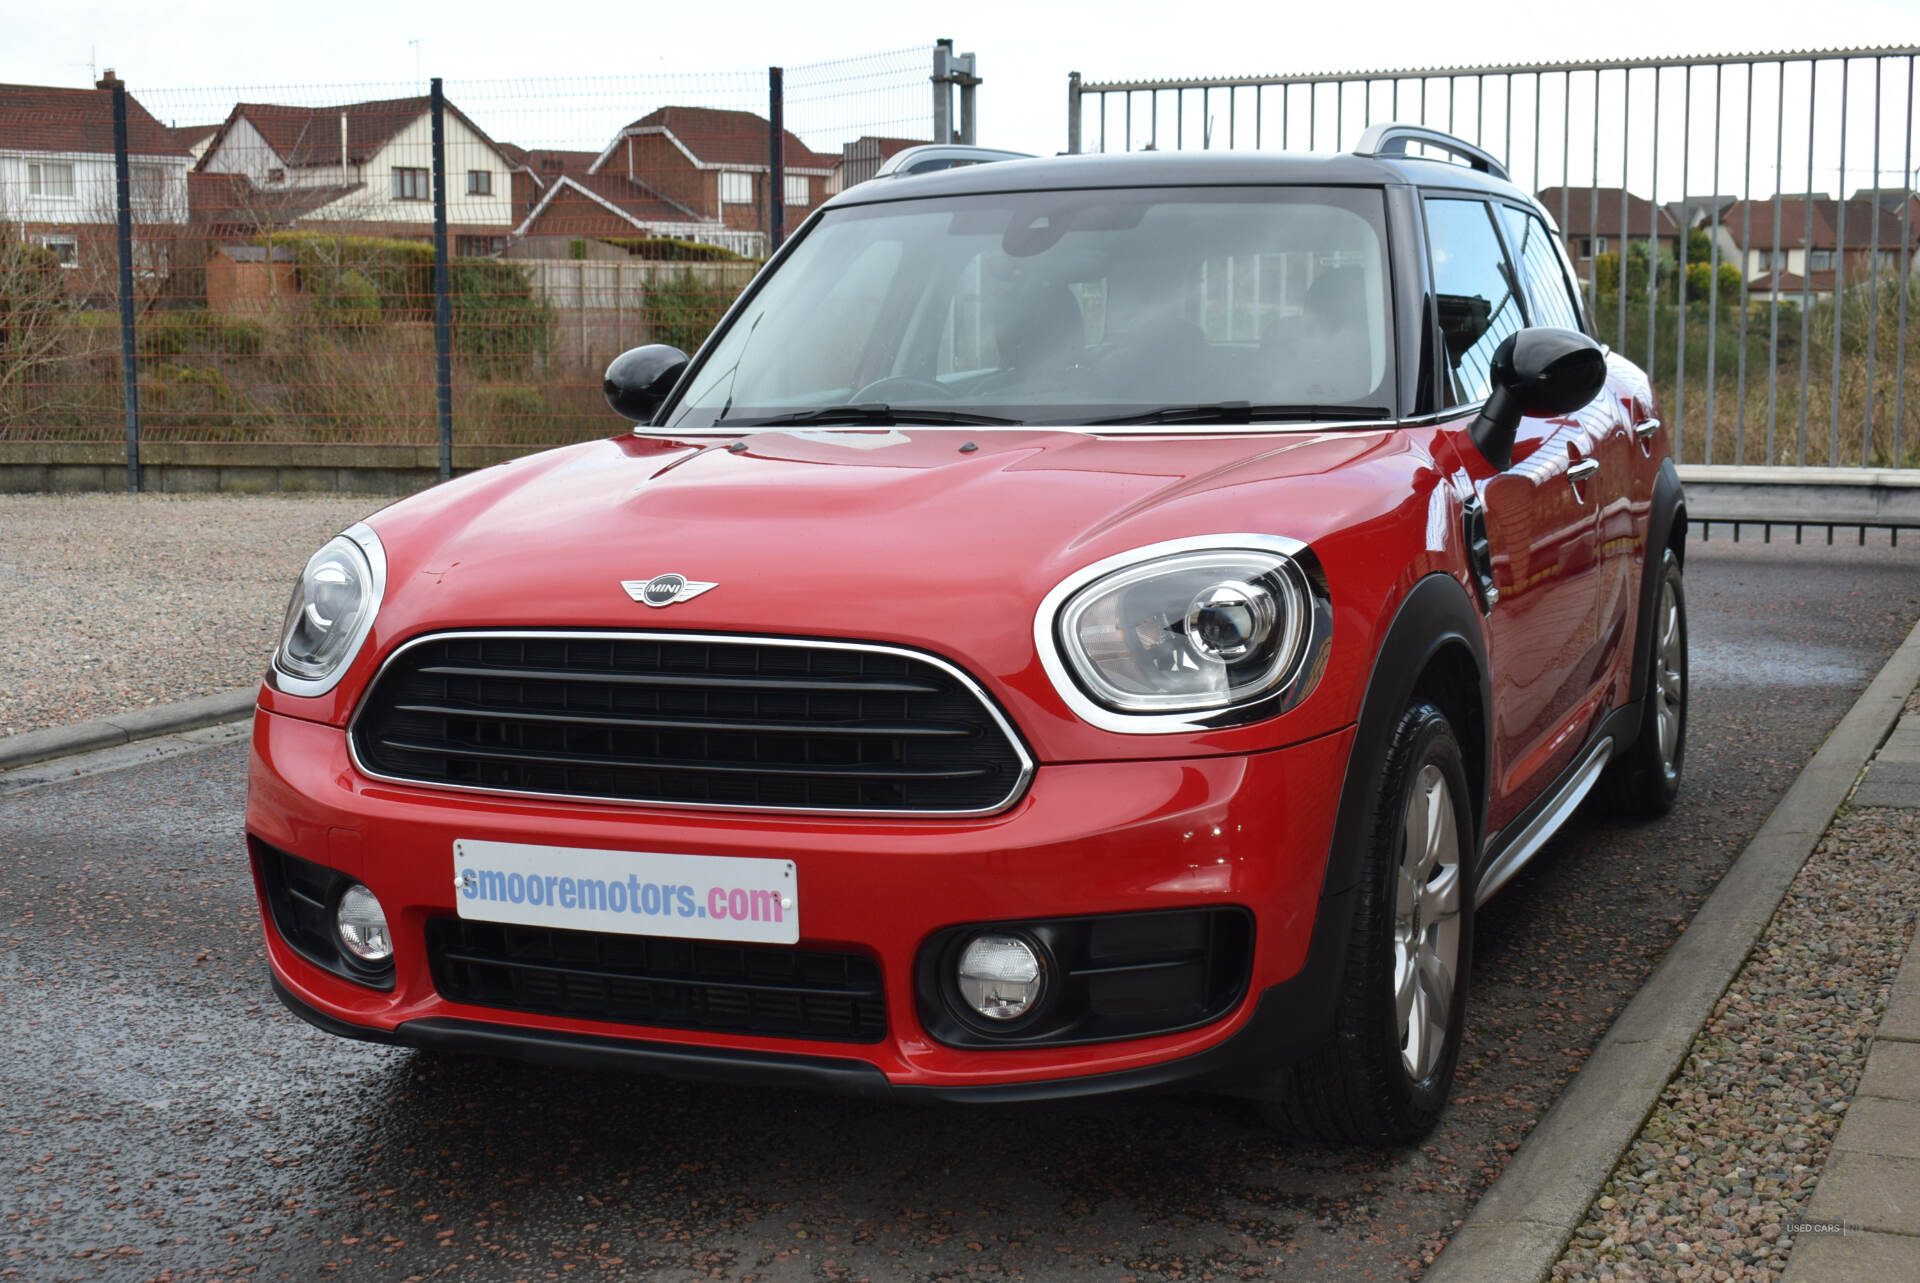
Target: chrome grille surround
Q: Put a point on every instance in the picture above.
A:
(988, 713)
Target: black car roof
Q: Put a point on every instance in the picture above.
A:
(1181, 169)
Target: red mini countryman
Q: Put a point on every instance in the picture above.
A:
(1078, 624)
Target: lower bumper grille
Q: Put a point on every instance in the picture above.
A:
(646, 980)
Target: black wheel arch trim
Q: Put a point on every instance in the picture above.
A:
(1668, 515)
(1438, 613)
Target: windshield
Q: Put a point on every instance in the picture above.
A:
(1172, 305)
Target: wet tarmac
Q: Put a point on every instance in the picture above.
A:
(162, 1117)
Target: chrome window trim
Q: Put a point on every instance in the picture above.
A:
(1285, 694)
(967, 683)
(362, 536)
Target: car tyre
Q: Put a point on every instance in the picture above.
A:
(1644, 781)
(1383, 1077)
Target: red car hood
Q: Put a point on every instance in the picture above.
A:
(937, 538)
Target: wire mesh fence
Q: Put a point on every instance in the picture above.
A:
(331, 264)
(1743, 226)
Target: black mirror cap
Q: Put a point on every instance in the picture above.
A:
(638, 380)
(1536, 373)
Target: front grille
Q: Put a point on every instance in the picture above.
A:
(647, 980)
(705, 721)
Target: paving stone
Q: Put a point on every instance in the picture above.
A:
(1876, 1125)
(1893, 1071)
(1874, 1191)
(1902, 1021)
(1857, 1256)
(1886, 790)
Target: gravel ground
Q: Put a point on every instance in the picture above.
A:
(1739, 1138)
(115, 601)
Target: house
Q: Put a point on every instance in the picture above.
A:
(229, 207)
(57, 181)
(535, 168)
(1811, 253)
(376, 158)
(862, 158)
(715, 163)
(611, 206)
(1902, 202)
(195, 138)
(1591, 221)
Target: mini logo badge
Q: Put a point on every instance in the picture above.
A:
(663, 590)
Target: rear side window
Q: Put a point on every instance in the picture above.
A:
(1474, 287)
(1549, 300)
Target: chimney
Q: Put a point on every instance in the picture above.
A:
(107, 80)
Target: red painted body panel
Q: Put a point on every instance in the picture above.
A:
(913, 543)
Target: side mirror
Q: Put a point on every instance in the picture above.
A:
(639, 379)
(1536, 373)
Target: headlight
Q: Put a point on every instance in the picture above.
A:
(331, 611)
(1193, 630)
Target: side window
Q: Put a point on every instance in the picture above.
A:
(1473, 286)
(1549, 299)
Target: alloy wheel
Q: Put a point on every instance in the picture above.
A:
(1426, 934)
(1670, 662)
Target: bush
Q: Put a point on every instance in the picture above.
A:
(670, 249)
(497, 318)
(1733, 286)
(682, 309)
(194, 330)
(400, 273)
(348, 301)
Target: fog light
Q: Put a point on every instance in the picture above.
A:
(999, 976)
(362, 926)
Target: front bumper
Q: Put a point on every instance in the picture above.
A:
(1087, 838)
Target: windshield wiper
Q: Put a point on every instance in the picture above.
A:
(872, 412)
(1240, 412)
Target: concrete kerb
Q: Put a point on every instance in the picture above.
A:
(146, 723)
(1519, 1228)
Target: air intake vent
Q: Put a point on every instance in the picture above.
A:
(647, 980)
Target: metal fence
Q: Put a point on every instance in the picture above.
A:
(1743, 225)
(409, 263)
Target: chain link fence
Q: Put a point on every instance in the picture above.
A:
(400, 263)
(1743, 226)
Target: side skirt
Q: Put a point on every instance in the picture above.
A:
(1544, 818)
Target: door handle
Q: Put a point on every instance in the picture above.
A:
(1646, 428)
(1582, 469)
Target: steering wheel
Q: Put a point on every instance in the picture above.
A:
(894, 386)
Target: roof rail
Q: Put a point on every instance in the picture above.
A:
(1392, 139)
(928, 157)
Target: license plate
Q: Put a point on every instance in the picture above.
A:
(649, 893)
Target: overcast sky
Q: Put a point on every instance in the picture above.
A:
(565, 62)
